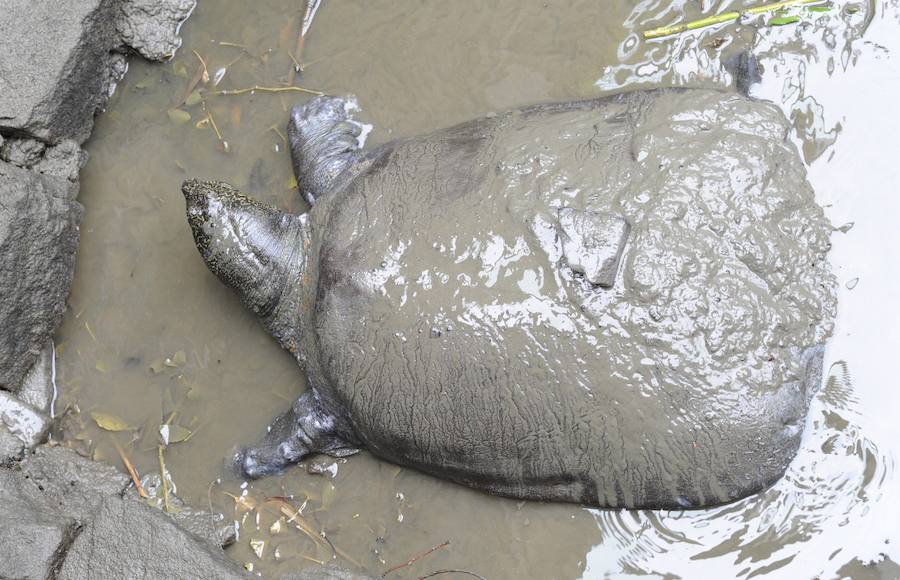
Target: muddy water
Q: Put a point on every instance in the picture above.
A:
(152, 337)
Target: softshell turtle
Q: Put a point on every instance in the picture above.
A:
(619, 301)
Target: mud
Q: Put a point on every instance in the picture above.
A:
(137, 300)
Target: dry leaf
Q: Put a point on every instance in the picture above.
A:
(110, 422)
(178, 116)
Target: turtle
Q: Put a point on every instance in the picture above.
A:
(620, 302)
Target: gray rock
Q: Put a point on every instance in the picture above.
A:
(326, 573)
(32, 541)
(212, 528)
(54, 71)
(63, 481)
(23, 420)
(38, 239)
(12, 448)
(37, 388)
(127, 539)
(151, 26)
(63, 160)
(22, 152)
(65, 516)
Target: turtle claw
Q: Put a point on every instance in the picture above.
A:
(303, 430)
(324, 142)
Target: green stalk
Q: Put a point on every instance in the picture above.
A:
(721, 18)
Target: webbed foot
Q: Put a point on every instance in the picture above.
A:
(324, 142)
(302, 431)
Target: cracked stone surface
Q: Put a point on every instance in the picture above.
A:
(22, 420)
(65, 516)
(38, 239)
(53, 73)
(151, 26)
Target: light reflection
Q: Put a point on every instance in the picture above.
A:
(840, 499)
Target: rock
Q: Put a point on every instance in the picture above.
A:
(211, 528)
(127, 539)
(12, 448)
(63, 160)
(32, 541)
(63, 480)
(37, 388)
(23, 420)
(54, 70)
(65, 516)
(22, 152)
(326, 573)
(151, 26)
(38, 239)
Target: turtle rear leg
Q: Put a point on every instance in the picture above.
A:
(306, 429)
(324, 142)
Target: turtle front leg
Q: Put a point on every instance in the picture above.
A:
(324, 142)
(306, 429)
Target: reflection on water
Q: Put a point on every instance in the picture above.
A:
(151, 336)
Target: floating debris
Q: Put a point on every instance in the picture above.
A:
(851, 284)
(164, 475)
(782, 20)
(257, 88)
(132, 472)
(312, 6)
(174, 434)
(242, 503)
(415, 559)
(109, 422)
(723, 18)
(179, 117)
(276, 526)
(193, 99)
(258, 547)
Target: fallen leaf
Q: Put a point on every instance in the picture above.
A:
(178, 116)
(109, 422)
(173, 434)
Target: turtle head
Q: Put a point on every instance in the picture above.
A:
(253, 248)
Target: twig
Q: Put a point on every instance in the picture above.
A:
(131, 471)
(268, 90)
(721, 18)
(305, 22)
(284, 140)
(205, 74)
(165, 482)
(302, 524)
(415, 559)
(451, 571)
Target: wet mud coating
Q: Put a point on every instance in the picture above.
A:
(150, 333)
(440, 307)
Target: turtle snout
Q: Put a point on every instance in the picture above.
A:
(196, 197)
(256, 462)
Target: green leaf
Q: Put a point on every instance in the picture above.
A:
(781, 21)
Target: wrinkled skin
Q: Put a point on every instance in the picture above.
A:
(619, 302)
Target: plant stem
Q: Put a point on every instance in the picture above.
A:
(721, 18)
(269, 90)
